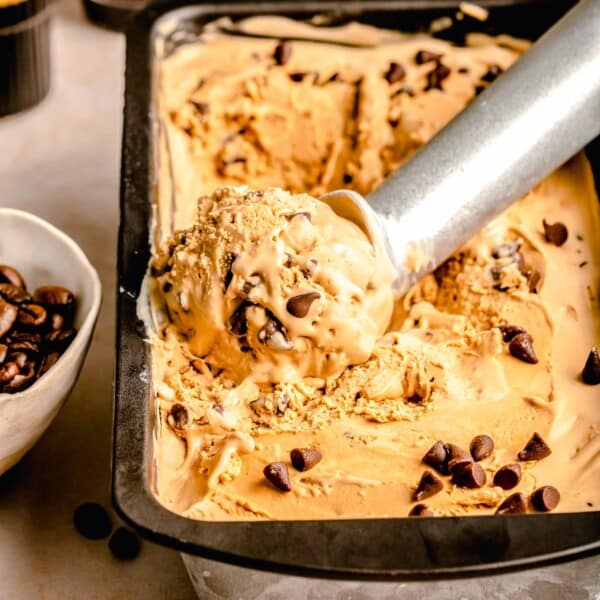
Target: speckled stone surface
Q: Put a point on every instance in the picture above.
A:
(61, 161)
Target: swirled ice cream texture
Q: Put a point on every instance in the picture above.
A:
(329, 118)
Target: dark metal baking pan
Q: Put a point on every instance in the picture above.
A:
(357, 548)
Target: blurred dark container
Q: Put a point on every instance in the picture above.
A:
(24, 54)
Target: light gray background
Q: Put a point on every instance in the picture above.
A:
(61, 161)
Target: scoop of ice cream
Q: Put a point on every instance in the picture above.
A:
(274, 286)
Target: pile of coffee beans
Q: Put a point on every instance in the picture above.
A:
(35, 329)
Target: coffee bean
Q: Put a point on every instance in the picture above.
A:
(469, 475)
(298, 306)
(521, 347)
(283, 52)
(92, 521)
(510, 331)
(19, 357)
(535, 449)
(13, 293)
(48, 361)
(8, 316)
(3, 352)
(435, 77)
(31, 316)
(492, 73)
(8, 371)
(304, 459)
(591, 369)
(396, 72)
(25, 377)
(56, 321)
(178, 416)
(420, 510)
(481, 447)
(428, 486)
(555, 233)
(545, 498)
(508, 476)
(277, 473)
(10, 275)
(57, 298)
(425, 56)
(513, 505)
(124, 544)
(437, 457)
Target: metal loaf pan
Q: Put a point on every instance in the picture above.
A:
(406, 548)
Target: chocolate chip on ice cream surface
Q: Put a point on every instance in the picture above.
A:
(277, 473)
(428, 486)
(304, 459)
(508, 476)
(545, 498)
(515, 504)
(521, 347)
(591, 370)
(420, 510)
(299, 305)
(555, 233)
(535, 449)
(481, 447)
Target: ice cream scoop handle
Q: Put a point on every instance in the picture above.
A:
(532, 119)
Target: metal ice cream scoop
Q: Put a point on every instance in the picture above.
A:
(532, 119)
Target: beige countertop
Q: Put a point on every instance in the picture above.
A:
(61, 161)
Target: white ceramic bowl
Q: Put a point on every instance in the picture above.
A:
(45, 256)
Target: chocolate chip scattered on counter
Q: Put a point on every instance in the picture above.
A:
(535, 449)
(515, 504)
(492, 73)
(124, 544)
(10, 275)
(521, 347)
(545, 498)
(481, 447)
(436, 76)
(298, 306)
(469, 475)
(591, 369)
(304, 459)
(420, 510)
(428, 486)
(283, 52)
(277, 473)
(555, 233)
(510, 331)
(425, 56)
(395, 73)
(92, 521)
(508, 476)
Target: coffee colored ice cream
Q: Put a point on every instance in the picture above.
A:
(491, 344)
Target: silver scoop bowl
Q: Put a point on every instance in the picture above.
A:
(537, 115)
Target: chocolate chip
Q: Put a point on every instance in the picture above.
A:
(178, 416)
(437, 457)
(8, 316)
(521, 347)
(124, 544)
(283, 52)
(298, 306)
(347, 178)
(508, 476)
(273, 335)
(92, 521)
(229, 258)
(13, 293)
(555, 233)
(591, 369)
(277, 473)
(515, 504)
(250, 284)
(396, 72)
(492, 73)
(479, 89)
(535, 449)
(237, 322)
(304, 459)
(510, 331)
(435, 77)
(533, 277)
(545, 498)
(10, 275)
(456, 456)
(469, 475)
(31, 316)
(481, 447)
(428, 486)
(425, 56)
(420, 510)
